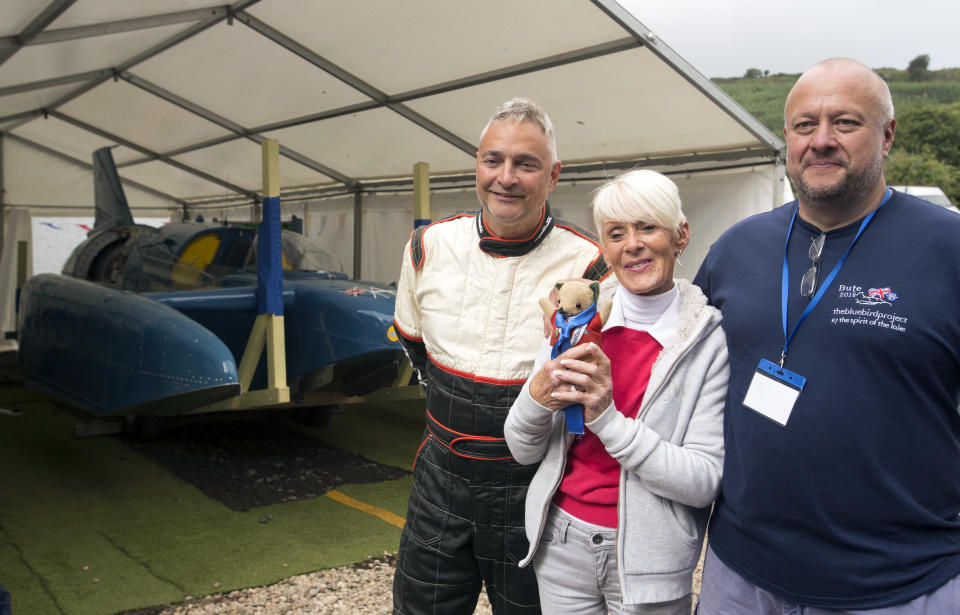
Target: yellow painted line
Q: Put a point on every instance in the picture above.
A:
(370, 509)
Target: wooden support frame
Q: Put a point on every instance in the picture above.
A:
(268, 334)
(421, 194)
(268, 329)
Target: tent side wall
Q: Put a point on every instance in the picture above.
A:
(711, 200)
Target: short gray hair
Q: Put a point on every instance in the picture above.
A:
(519, 109)
(640, 195)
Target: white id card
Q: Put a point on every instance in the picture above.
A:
(773, 391)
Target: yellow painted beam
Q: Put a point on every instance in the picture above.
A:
(251, 354)
(22, 248)
(271, 168)
(421, 191)
(262, 397)
(273, 323)
(276, 352)
(404, 375)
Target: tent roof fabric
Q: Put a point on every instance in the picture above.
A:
(356, 93)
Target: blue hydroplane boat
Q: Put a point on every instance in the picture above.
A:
(156, 321)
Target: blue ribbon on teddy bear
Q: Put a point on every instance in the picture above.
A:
(568, 337)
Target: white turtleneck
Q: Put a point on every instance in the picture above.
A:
(657, 314)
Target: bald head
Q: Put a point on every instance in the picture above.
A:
(857, 75)
(839, 127)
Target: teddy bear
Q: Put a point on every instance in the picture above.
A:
(578, 320)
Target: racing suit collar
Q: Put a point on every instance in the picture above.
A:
(496, 246)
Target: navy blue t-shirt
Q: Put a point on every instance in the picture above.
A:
(855, 502)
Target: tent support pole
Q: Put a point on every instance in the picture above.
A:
(421, 194)
(779, 176)
(357, 232)
(3, 192)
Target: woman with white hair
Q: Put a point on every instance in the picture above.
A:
(616, 517)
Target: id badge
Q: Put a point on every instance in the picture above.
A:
(774, 391)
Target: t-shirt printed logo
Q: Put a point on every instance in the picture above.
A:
(876, 296)
(881, 296)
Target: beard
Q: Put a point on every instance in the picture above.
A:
(848, 192)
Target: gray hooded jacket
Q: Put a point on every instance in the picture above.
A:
(670, 456)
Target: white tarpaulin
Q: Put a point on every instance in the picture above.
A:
(356, 93)
(712, 201)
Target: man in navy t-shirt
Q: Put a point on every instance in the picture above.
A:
(841, 482)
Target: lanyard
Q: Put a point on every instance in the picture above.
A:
(785, 277)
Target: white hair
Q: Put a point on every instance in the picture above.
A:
(639, 196)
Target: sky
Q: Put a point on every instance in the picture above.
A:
(724, 38)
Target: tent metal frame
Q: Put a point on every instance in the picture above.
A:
(35, 33)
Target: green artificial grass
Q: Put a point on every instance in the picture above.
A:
(30, 595)
(89, 527)
(386, 434)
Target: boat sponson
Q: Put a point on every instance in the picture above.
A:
(326, 322)
(104, 350)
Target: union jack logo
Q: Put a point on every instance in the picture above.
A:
(883, 294)
(353, 292)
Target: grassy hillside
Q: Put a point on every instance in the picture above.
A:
(764, 97)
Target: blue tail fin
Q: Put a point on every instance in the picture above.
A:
(111, 203)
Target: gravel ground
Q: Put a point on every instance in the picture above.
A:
(364, 588)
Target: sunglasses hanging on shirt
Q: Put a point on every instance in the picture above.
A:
(808, 284)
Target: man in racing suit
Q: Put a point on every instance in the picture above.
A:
(468, 317)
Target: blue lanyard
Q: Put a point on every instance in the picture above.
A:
(785, 277)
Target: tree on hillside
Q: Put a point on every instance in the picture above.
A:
(926, 149)
(755, 73)
(931, 129)
(906, 169)
(917, 69)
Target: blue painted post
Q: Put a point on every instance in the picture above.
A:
(269, 249)
(268, 330)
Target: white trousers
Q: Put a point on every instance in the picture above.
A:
(576, 566)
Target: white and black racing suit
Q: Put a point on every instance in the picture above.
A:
(468, 317)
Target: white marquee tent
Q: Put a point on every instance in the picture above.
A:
(356, 92)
